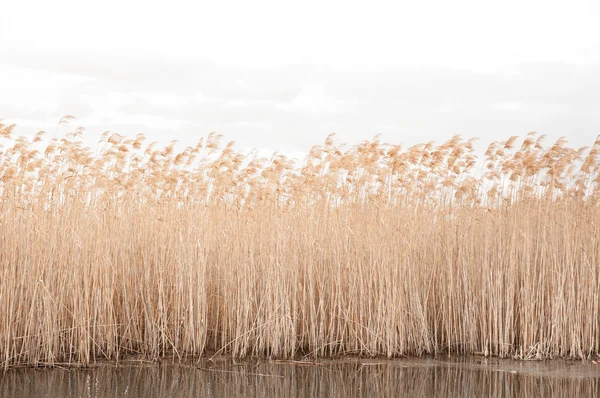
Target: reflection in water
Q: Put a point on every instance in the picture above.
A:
(356, 378)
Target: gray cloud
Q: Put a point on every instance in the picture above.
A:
(72, 105)
(216, 112)
(12, 113)
(536, 83)
(144, 73)
(258, 106)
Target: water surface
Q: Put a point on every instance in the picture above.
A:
(464, 377)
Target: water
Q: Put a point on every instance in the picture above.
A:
(466, 377)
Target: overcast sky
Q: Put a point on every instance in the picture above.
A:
(279, 75)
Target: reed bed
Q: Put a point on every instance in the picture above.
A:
(372, 250)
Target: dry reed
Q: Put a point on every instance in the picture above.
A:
(370, 250)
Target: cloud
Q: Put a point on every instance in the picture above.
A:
(14, 114)
(544, 83)
(73, 105)
(295, 106)
(149, 73)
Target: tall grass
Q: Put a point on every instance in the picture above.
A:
(369, 250)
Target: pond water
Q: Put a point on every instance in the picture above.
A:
(463, 377)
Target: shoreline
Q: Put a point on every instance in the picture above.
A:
(206, 362)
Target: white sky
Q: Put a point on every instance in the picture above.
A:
(278, 75)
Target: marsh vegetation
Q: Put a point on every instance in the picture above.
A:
(371, 250)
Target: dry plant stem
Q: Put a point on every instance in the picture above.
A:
(372, 250)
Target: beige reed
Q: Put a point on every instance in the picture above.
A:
(370, 250)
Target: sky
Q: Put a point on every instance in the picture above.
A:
(281, 76)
